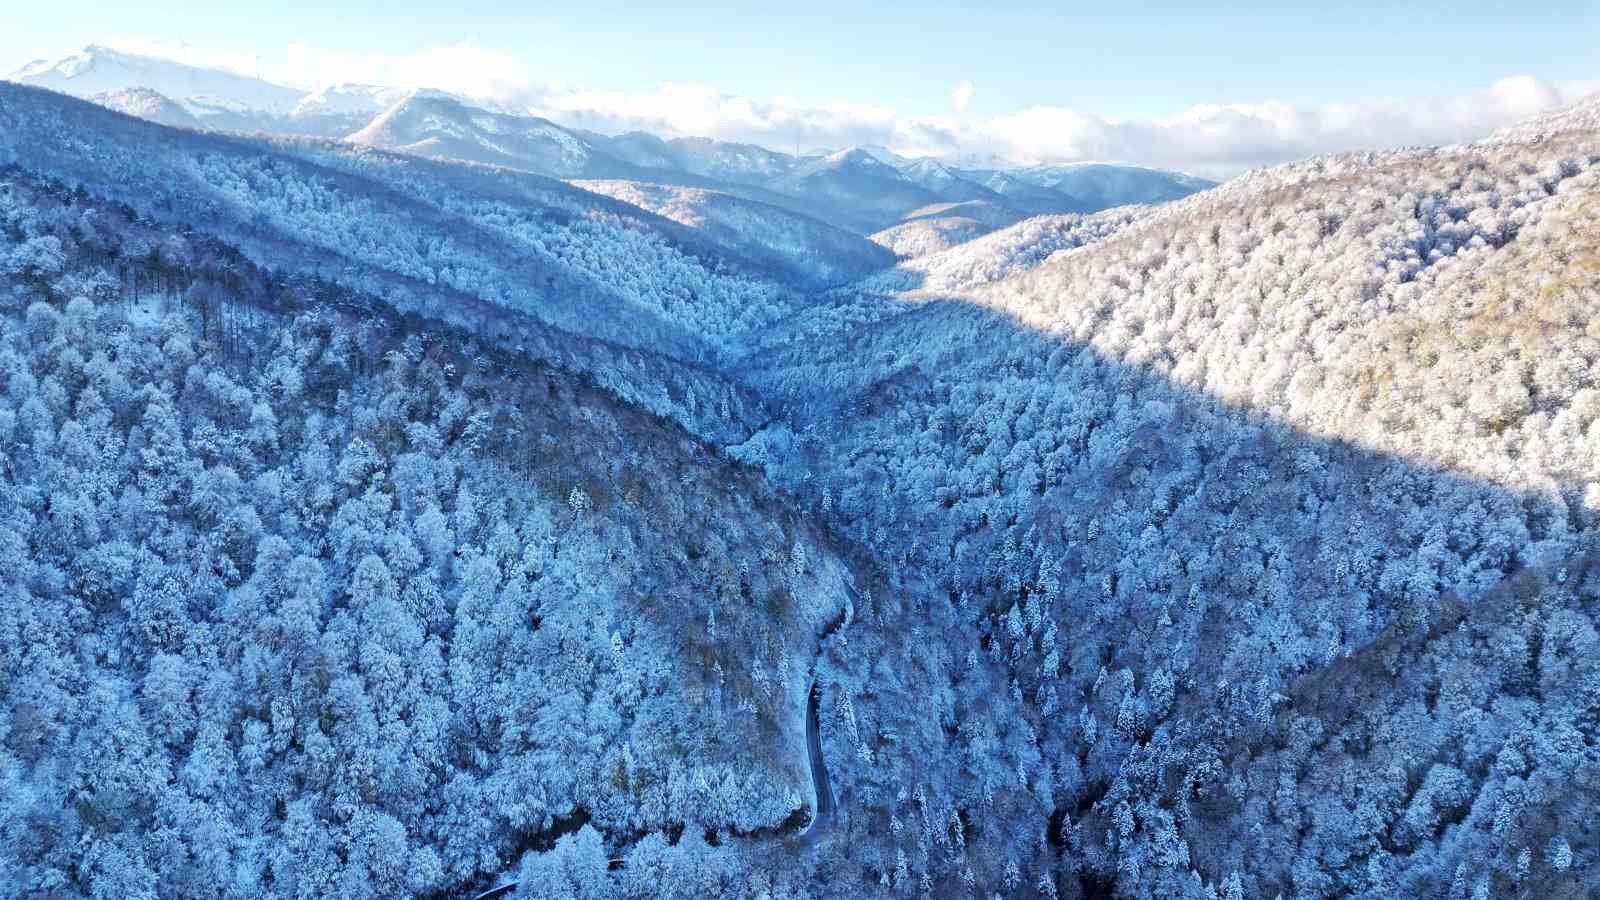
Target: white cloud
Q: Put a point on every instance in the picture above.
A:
(466, 68)
(1225, 138)
(237, 63)
(961, 96)
(1210, 139)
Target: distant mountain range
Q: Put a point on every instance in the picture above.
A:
(860, 189)
(97, 69)
(381, 525)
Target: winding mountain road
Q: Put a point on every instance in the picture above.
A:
(824, 803)
(819, 767)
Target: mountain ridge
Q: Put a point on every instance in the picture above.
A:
(374, 524)
(223, 100)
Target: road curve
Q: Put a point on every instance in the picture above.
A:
(819, 785)
(819, 766)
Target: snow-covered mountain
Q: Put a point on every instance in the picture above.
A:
(97, 70)
(377, 525)
(999, 254)
(862, 189)
(941, 226)
(854, 188)
(1581, 115)
(884, 155)
(1026, 195)
(147, 104)
(1103, 185)
(1252, 488)
(349, 100)
(336, 110)
(805, 250)
(429, 123)
(720, 161)
(920, 237)
(505, 239)
(947, 183)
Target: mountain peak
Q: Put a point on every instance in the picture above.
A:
(927, 165)
(885, 155)
(434, 123)
(97, 69)
(852, 154)
(859, 158)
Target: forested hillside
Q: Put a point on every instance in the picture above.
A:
(411, 229)
(1277, 505)
(307, 602)
(379, 526)
(806, 251)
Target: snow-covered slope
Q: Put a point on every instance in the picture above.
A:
(1582, 115)
(370, 526)
(433, 124)
(97, 69)
(349, 99)
(800, 249)
(862, 189)
(941, 226)
(853, 188)
(986, 212)
(1084, 187)
(337, 110)
(639, 148)
(924, 236)
(147, 104)
(418, 231)
(1280, 505)
(1104, 185)
(948, 184)
(1001, 254)
(717, 160)
(1025, 195)
(422, 552)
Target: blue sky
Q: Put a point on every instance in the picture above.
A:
(1113, 61)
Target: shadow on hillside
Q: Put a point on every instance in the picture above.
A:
(1163, 531)
(1245, 558)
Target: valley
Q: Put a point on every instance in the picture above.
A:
(400, 497)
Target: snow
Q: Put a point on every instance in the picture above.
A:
(365, 99)
(1581, 115)
(379, 526)
(98, 69)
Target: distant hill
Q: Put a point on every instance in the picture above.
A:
(397, 524)
(1103, 185)
(433, 124)
(147, 104)
(524, 243)
(97, 69)
(864, 189)
(854, 188)
(807, 250)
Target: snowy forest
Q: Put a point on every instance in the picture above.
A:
(379, 526)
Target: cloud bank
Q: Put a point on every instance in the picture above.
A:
(1208, 139)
